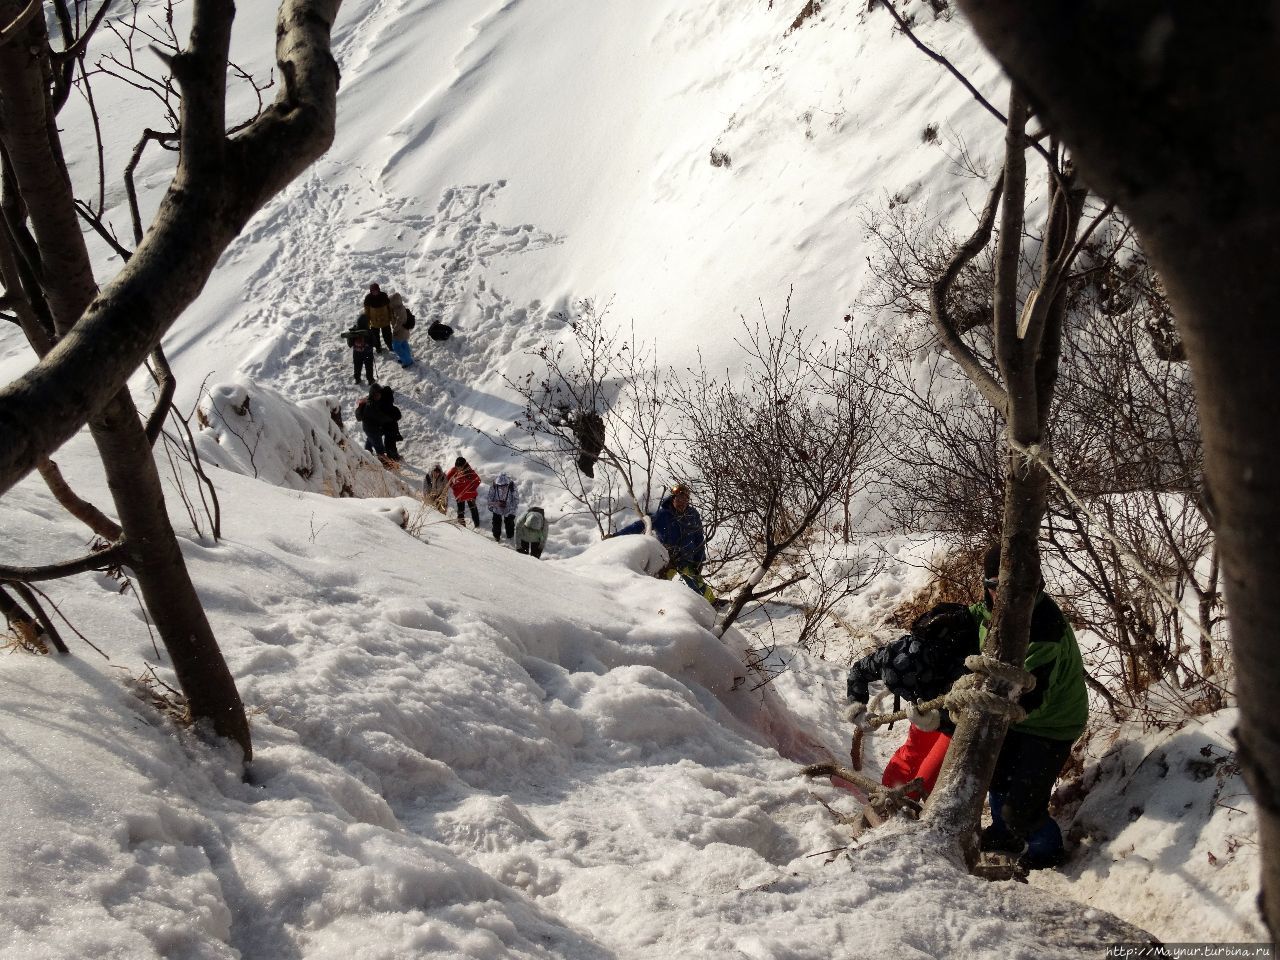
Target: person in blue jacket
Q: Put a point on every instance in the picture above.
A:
(678, 527)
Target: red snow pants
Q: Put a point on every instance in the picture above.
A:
(921, 755)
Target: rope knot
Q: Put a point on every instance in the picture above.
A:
(968, 694)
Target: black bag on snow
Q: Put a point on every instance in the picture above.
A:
(439, 331)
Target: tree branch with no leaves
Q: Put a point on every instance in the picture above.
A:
(200, 215)
(939, 312)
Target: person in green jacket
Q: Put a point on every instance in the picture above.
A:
(531, 532)
(1036, 749)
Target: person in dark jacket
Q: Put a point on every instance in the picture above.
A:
(360, 340)
(1036, 749)
(588, 430)
(373, 417)
(377, 307)
(391, 428)
(464, 484)
(435, 489)
(920, 666)
(678, 527)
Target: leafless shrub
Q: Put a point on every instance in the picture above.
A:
(777, 459)
(1125, 438)
(595, 417)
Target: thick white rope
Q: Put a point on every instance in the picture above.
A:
(965, 695)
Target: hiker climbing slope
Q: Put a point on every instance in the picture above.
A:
(917, 667)
(504, 500)
(375, 419)
(1036, 748)
(402, 321)
(678, 527)
(360, 339)
(531, 532)
(464, 484)
(435, 489)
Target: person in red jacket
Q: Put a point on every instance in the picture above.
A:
(464, 484)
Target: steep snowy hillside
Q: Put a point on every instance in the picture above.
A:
(497, 160)
(459, 752)
(465, 752)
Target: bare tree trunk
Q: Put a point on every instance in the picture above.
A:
(67, 282)
(161, 572)
(21, 622)
(955, 806)
(1169, 110)
(1028, 349)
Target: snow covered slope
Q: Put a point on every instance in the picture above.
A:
(460, 752)
(463, 752)
(499, 159)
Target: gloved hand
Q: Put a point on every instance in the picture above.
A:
(926, 720)
(856, 713)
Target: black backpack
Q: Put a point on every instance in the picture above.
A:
(439, 331)
(948, 624)
(410, 321)
(922, 664)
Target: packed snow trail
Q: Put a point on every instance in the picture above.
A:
(337, 239)
(458, 752)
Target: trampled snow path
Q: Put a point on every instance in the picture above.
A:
(328, 239)
(459, 752)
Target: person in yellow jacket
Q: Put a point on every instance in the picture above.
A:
(377, 307)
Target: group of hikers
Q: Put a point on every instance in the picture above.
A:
(503, 499)
(919, 667)
(383, 318)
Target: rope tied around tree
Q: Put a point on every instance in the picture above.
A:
(968, 692)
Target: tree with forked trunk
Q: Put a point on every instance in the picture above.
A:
(91, 340)
(1019, 384)
(1168, 108)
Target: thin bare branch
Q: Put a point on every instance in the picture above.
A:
(941, 316)
(114, 555)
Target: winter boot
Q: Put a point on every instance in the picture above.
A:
(997, 838)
